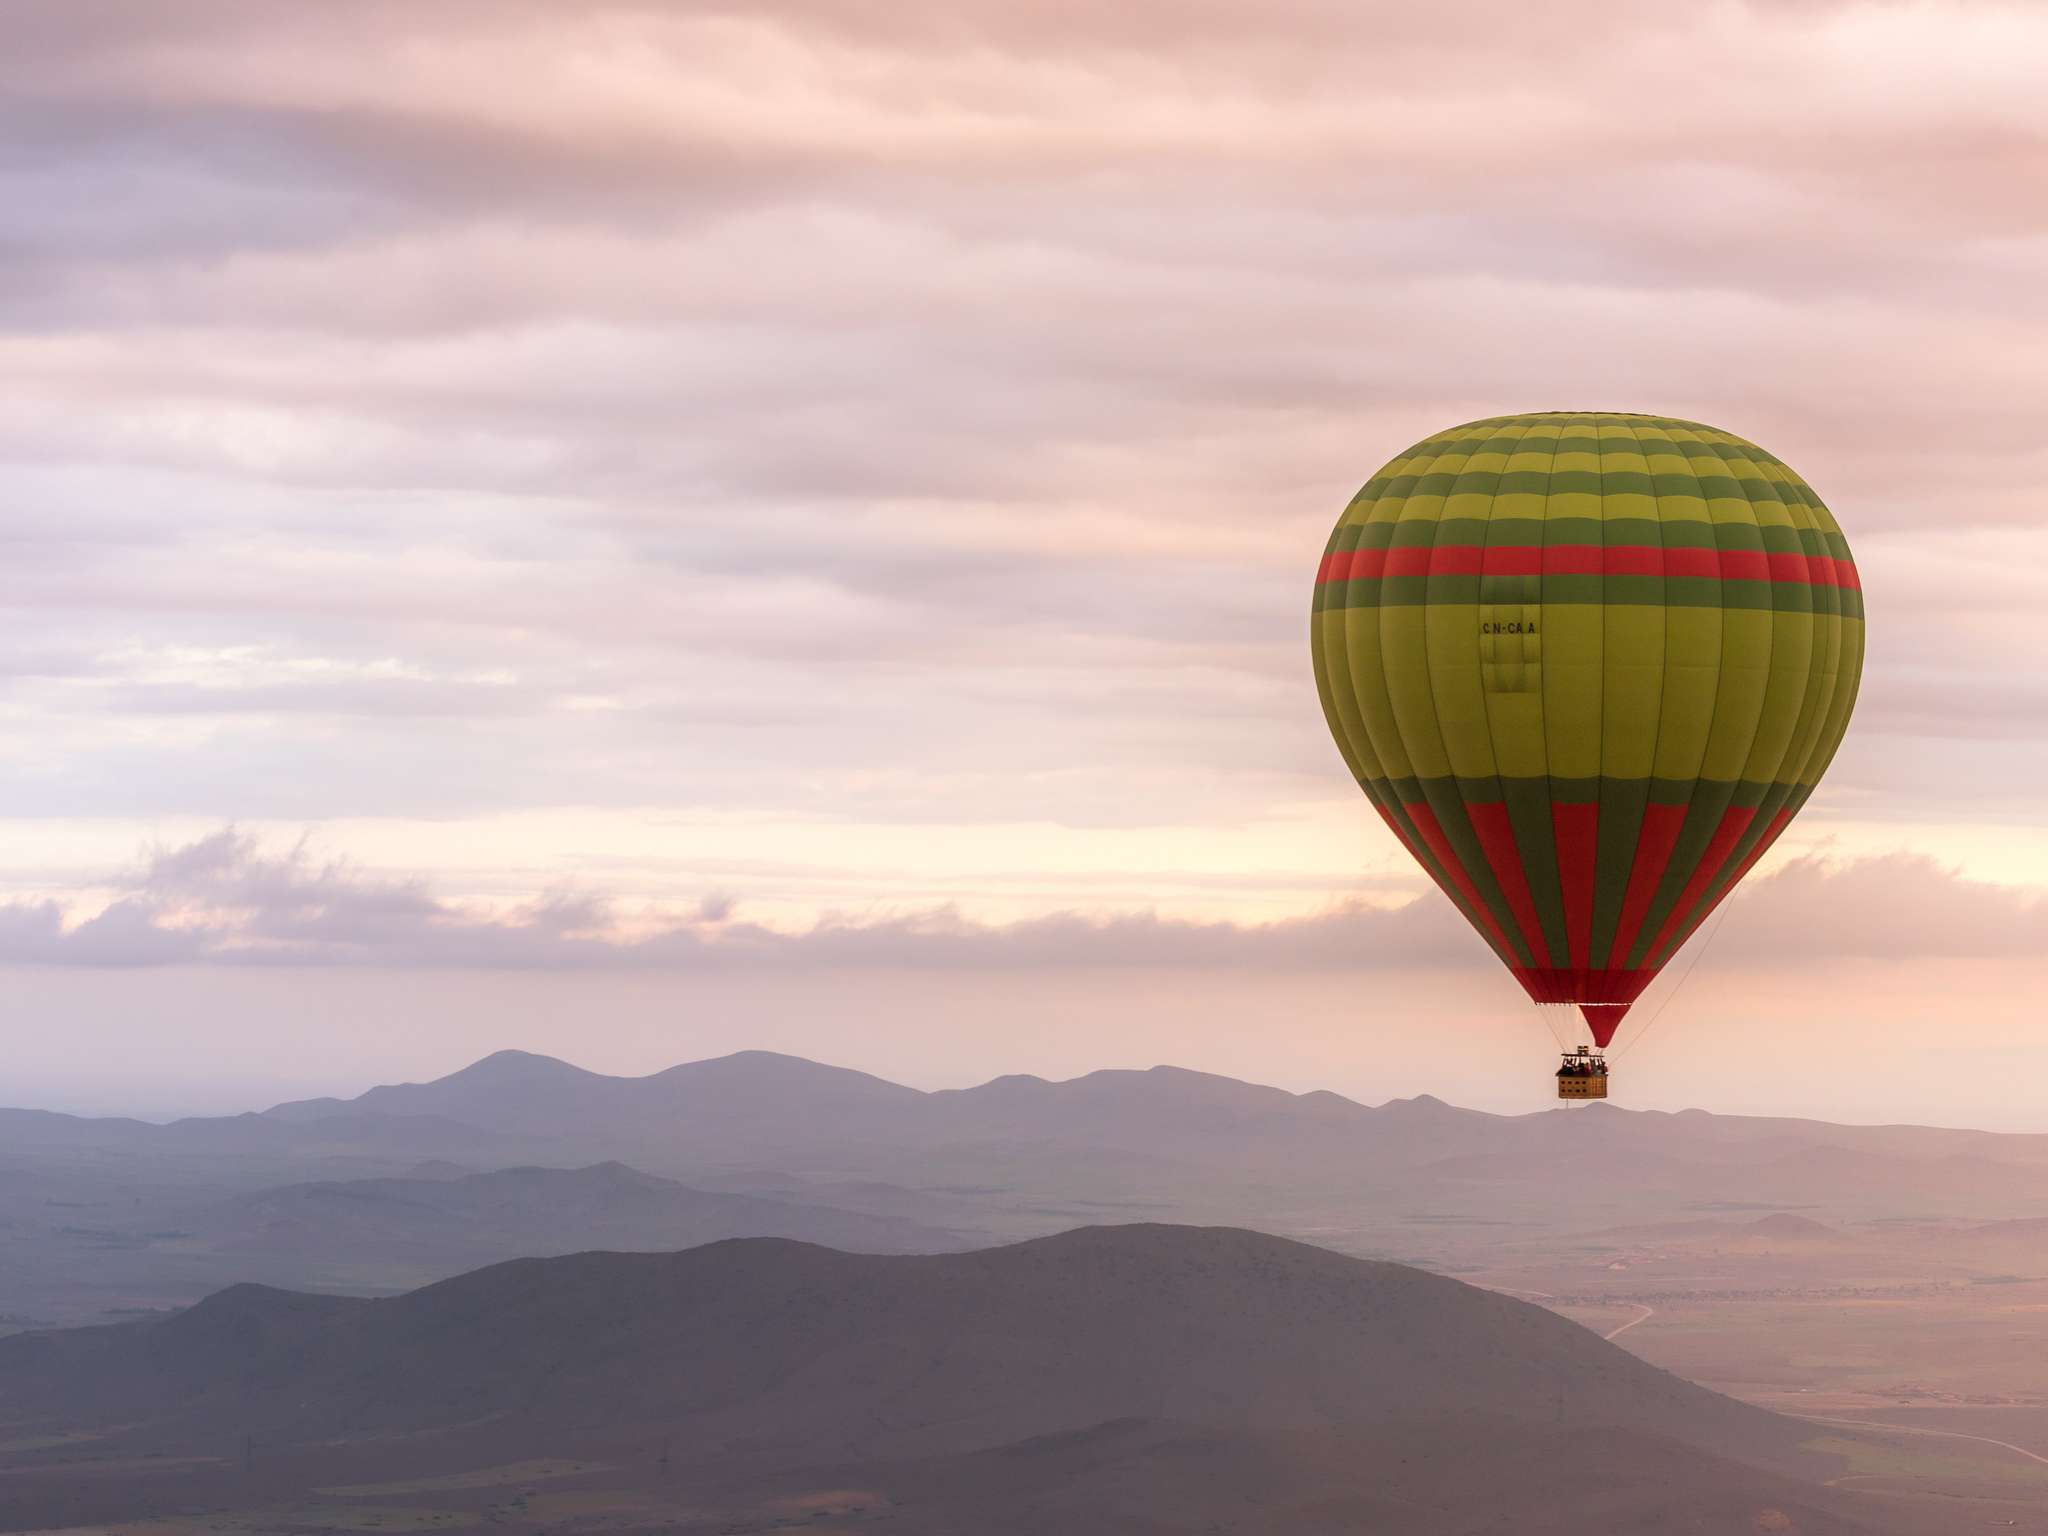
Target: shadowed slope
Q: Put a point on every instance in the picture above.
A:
(764, 1343)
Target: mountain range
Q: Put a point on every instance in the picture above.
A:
(761, 1107)
(757, 1103)
(524, 1155)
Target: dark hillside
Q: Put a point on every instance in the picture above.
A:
(760, 1343)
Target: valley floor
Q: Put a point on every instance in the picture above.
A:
(1936, 1391)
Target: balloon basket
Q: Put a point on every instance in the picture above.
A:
(1583, 1075)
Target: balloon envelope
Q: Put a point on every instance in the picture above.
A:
(1587, 667)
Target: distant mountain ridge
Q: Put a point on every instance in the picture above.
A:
(759, 1101)
(517, 1090)
(760, 1122)
(738, 1106)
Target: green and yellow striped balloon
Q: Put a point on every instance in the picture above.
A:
(1587, 667)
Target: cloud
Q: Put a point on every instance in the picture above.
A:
(1896, 906)
(932, 412)
(225, 900)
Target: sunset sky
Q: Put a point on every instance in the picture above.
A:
(637, 531)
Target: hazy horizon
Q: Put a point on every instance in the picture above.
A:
(1475, 1066)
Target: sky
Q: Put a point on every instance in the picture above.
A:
(637, 531)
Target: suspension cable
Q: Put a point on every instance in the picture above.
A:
(1699, 954)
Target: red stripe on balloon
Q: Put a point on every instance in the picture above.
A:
(1569, 559)
(1399, 831)
(1693, 562)
(1749, 565)
(1654, 842)
(1778, 824)
(1791, 565)
(1456, 559)
(1419, 854)
(1632, 560)
(1497, 838)
(1600, 986)
(1512, 560)
(1577, 832)
(1432, 833)
(1411, 560)
(1734, 822)
(1586, 560)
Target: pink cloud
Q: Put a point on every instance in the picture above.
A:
(227, 900)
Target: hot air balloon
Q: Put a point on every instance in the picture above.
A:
(1587, 667)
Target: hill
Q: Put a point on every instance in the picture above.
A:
(1163, 1372)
